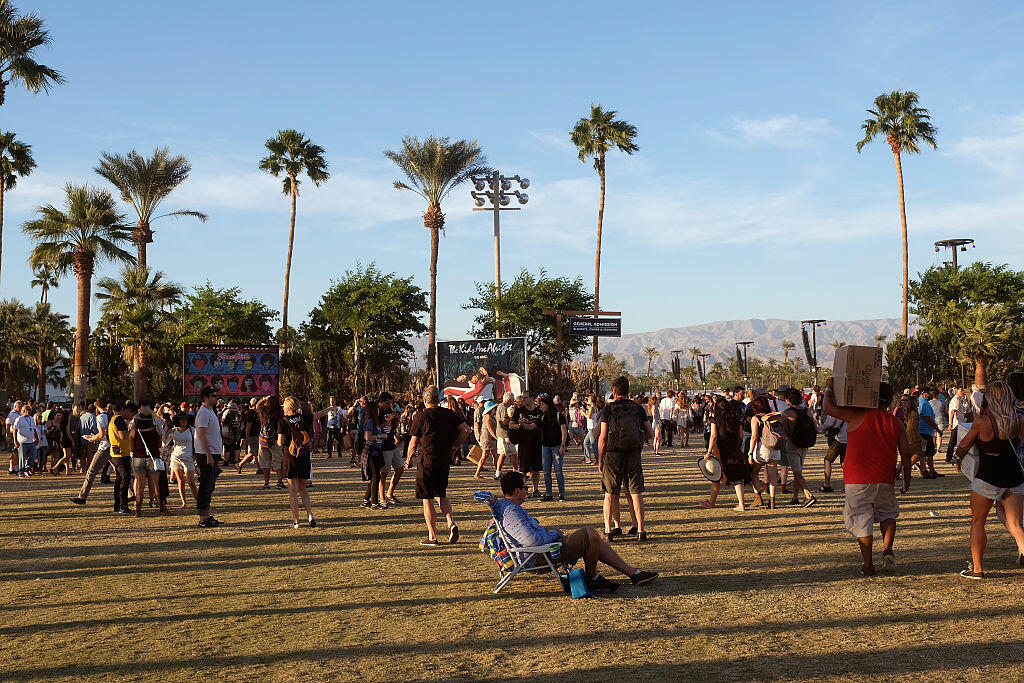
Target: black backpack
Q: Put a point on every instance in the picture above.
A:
(625, 432)
(805, 432)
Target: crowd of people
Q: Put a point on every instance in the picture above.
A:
(756, 438)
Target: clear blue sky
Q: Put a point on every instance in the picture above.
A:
(747, 197)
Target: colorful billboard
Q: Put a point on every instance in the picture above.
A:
(482, 367)
(233, 370)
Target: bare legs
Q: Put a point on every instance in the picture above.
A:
(296, 491)
(430, 514)
(183, 477)
(866, 543)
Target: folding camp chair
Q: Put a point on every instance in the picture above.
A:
(521, 558)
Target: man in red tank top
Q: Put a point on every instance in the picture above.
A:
(874, 435)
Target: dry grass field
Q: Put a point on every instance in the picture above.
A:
(757, 595)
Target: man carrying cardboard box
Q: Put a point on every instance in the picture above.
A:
(873, 436)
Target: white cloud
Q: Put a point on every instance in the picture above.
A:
(556, 140)
(1002, 151)
(781, 130)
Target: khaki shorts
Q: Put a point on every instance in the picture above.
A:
(144, 466)
(795, 456)
(506, 447)
(575, 546)
(868, 505)
(618, 469)
(252, 445)
(270, 458)
(392, 460)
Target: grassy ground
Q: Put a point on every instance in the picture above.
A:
(755, 595)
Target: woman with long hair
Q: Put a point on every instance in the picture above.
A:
(682, 415)
(911, 420)
(488, 440)
(296, 464)
(997, 430)
(54, 430)
(726, 445)
(554, 439)
(181, 439)
(373, 435)
(761, 453)
(272, 423)
(590, 440)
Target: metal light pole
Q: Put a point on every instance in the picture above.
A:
(952, 244)
(495, 188)
(744, 344)
(814, 342)
(704, 368)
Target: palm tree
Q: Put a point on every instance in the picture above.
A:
(292, 154)
(838, 345)
(45, 279)
(594, 137)
(879, 339)
(20, 36)
(787, 346)
(90, 230)
(145, 184)
(651, 354)
(51, 333)
(986, 331)
(433, 168)
(15, 161)
(904, 125)
(694, 352)
(139, 303)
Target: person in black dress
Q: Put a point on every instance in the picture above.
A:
(296, 463)
(726, 444)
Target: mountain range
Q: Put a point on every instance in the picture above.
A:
(719, 339)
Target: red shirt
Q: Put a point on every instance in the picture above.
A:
(871, 449)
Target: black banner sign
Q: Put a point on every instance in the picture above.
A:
(595, 327)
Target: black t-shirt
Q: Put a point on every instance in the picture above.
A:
(528, 437)
(284, 427)
(251, 423)
(436, 428)
(748, 412)
(551, 428)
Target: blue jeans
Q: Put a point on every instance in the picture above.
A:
(551, 457)
(28, 455)
(590, 444)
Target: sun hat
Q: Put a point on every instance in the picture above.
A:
(489, 406)
(710, 468)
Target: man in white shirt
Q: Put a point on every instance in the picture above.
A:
(12, 441)
(28, 438)
(668, 422)
(209, 448)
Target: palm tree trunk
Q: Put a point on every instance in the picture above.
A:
(41, 363)
(80, 388)
(2, 190)
(597, 264)
(140, 247)
(288, 274)
(903, 224)
(979, 371)
(355, 357)
(432, 323)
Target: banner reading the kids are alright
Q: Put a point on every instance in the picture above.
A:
(484, 368)
(232, 370)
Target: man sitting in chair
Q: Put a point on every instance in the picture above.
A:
(585, 543)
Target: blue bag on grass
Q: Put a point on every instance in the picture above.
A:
(578, 585)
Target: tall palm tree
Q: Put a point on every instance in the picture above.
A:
(140, 301)
(694, 352)
(51, 333)
(880, 339)
(145, 184)
(651, 354)
(291, 155)
(45, 279)
(904, 125)
(433, 168)
(594, 137)
(87, 232)
(787, 346)
(15, 161)
(20, 36)
(986, 331)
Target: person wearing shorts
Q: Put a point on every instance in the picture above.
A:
(506, 449)
(761, 455)
(622, 467)
(525, 421)
(391, 449)
(181, 438)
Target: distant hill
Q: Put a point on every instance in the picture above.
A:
(719, 339)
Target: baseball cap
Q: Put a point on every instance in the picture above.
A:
(207, 392)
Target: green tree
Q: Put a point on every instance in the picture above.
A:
(611, 367)
(144, 183)
(88, 231)
(17, 350)
(433, 168)
(140, 303)
(15, 162)
(986, 332)
(522, 305)
(20, 36)
(45, 279)
(221, 316)
(594, 137)
(52, 335)
(787, 346)
(905, 126)
(291, 155)
(383, 309)
(651, 354)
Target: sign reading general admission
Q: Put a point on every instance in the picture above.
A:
(595, 327)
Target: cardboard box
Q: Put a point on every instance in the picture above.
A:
(856, 376)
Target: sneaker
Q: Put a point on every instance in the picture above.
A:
(888, 562)
(453, 534)
(266, 486)
(78, 500)
(810, 501)
(617, 531)
(631, 531)
(642, 578)
(205, 524)
(497, 476)
(365, 504)
(281, 484)
(971, 574)
(22, 475)
(428, 541)
(213, 520)
(378, 506)
(394, 501)
(312, 522)
(546, 498)
(599, 583)
(296, 525)
(561, 499)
